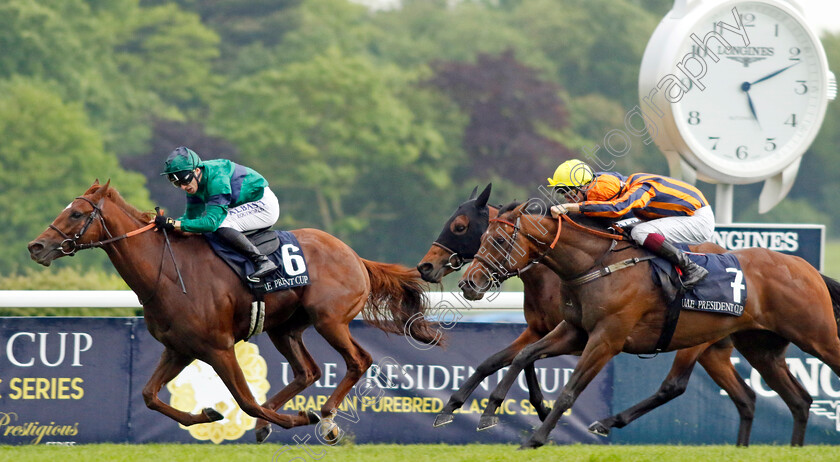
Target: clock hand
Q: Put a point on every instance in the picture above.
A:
(746, 89)
(774, 73)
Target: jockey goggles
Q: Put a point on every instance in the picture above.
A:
(181, 178)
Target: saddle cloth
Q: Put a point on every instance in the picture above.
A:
(722, 291)
(281, 247)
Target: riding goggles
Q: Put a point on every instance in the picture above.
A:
(181, 178)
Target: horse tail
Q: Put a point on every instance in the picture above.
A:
(397, 303)
(834, 291)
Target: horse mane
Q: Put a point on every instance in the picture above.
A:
(131, 210)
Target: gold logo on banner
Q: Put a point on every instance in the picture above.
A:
(198, 386)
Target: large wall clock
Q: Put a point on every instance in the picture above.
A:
(735, 91)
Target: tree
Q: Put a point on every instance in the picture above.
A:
(50, 155)
(319, 127)
(512, 115)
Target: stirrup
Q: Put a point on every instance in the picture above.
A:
(266, 268)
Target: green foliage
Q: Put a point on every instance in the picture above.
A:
(51, 145)
(318, 127)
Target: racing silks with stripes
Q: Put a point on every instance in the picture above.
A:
(648, 196)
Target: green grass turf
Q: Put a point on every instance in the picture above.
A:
(414, 453)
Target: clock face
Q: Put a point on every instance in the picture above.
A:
(763, 102)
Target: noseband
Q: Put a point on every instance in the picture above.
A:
(455, 261)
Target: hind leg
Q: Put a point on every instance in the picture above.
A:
(716, 360)
(357, 360)
(289, 342)
(674, 385)
(765, 351)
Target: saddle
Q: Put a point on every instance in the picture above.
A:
(281, 247)
(264, 239)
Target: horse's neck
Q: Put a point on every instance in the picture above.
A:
(130, 256)
(576, 252)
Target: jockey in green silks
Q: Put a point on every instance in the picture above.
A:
(223, 198)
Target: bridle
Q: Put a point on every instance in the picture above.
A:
(498, 277)
(70, 245)
(584, 277)
(455, 260)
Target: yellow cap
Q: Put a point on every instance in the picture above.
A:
(572, 173)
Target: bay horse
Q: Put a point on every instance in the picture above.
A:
(207, 321)
(457, 244)
(623, 311)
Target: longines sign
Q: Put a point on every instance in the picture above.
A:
(806, 241)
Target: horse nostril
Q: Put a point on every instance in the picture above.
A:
(35, 247)
(425, 268)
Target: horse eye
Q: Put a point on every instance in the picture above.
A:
(460, 228)
(501, 240)
(76, 214)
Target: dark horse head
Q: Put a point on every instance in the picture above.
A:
(459, 239)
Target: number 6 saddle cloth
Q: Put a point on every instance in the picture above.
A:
(281, 247)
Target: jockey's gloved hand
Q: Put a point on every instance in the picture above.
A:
(164, 222)
(557, 210)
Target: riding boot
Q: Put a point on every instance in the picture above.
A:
(692, 273)
(262, 265)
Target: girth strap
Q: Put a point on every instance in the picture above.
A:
(257, 317)
(607, 270)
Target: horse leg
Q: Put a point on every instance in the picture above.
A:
(564, 339)
(306, 370)
(674, 385)
(489, 366)
(535, 396)
(603, 344)
(765, 351)
(716, 360)
(225, 364)
(171, 363)
(357, 360)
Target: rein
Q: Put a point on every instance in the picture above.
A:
(586, 277)
(70, 245)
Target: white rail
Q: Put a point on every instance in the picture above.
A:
(127, 299)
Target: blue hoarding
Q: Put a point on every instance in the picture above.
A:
(806, 241)
(79, 380)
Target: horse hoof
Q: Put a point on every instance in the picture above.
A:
(599, 429)
(443, 419)
(544, 414)
(314, 418)
(487, 421)
(262, 433)
(330, 431)
(531, 444)
(213, 414)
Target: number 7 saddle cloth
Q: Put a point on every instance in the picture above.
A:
(722, 291)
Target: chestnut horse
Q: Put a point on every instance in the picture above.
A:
(458, 243)
(788, 301)
(214, 314)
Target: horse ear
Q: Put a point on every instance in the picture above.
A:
(95, 182)
(104, 189)
(481, 201)
(472, 194)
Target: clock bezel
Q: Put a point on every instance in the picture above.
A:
(677, 136)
